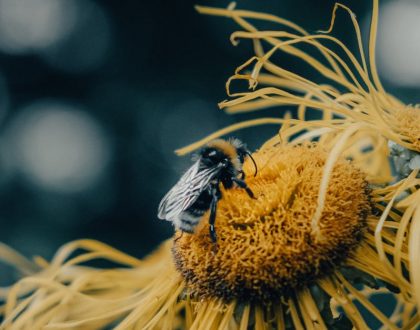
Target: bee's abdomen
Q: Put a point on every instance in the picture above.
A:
(202, 204)
(190, 218)
(188, 221)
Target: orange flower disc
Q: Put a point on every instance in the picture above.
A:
(265, 247)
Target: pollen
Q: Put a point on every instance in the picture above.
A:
(265, 247)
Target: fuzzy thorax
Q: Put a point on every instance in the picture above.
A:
(265, 246)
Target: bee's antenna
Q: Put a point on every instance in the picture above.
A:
(255, 164)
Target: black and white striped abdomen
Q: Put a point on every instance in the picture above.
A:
(187, 220)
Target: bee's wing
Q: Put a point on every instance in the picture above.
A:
(186, 191)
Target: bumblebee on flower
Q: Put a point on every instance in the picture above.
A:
(198, 190)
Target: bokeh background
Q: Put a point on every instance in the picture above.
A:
(96, 95)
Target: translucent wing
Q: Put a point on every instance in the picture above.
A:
(186, 191)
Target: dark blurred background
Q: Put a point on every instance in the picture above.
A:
(96, 95)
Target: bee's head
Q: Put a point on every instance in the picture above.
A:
(231, 152)
(242, 152)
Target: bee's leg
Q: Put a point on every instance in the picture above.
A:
(216, 195)
(243, 185)
(242, 173)
(179, 237)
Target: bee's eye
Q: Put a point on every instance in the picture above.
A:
(225, 162)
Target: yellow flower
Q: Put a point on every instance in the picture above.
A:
(265, 246)
(268, 268)
(325, 233)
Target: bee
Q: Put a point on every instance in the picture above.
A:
(198, 190)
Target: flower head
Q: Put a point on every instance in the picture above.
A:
(265, 247)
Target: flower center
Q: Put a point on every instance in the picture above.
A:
(265, 246)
